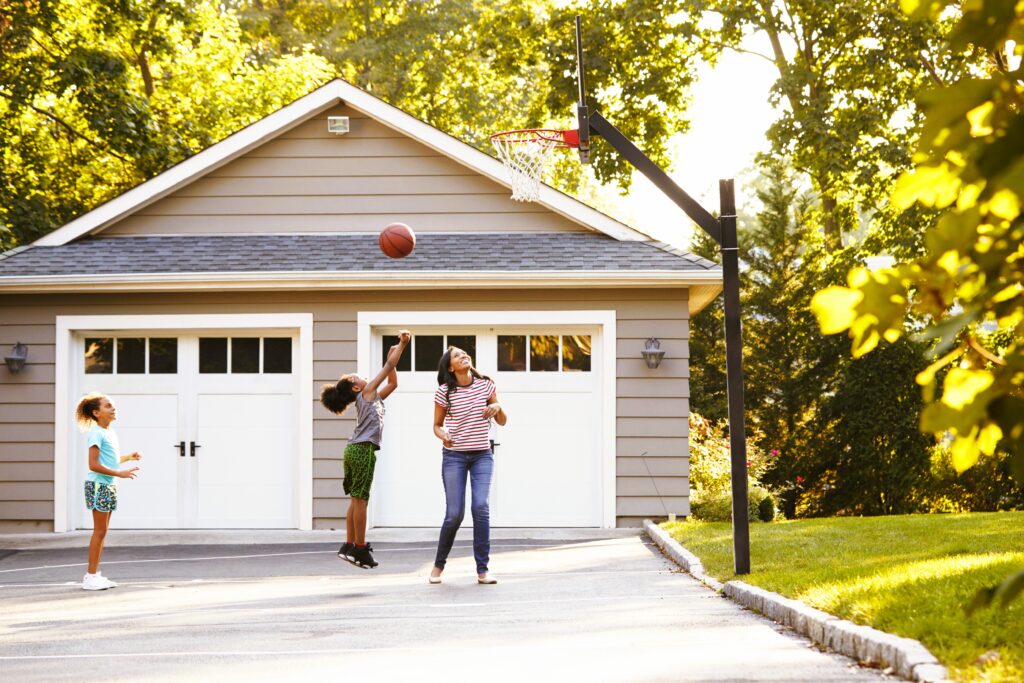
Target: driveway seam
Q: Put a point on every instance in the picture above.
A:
(870, 646)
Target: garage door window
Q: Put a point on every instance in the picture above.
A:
(425, 350)
(544, 353)
(131, 356)
(245, 355)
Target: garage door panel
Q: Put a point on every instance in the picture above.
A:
(548, 461)
(545, 467)
(147, 424)
(244, 469)
(407, 488)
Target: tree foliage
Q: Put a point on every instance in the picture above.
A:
(476, 67)
(846, 73)
(96, 97)
(971, 167)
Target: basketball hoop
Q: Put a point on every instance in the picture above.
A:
(526, 153)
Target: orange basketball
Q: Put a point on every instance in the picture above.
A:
(397, 240)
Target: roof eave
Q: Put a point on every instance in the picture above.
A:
(704, 285)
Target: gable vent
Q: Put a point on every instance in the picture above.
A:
(338, 125)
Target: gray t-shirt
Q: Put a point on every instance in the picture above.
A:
(369, 420)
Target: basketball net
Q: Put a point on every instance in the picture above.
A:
(525, 153)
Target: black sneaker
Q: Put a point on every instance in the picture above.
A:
(345, 551)
(362, 557)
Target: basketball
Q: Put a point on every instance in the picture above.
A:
(397, 240)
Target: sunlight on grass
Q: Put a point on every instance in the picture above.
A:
(909, 575)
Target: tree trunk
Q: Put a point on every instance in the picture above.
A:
(833, 233)
(147, 76)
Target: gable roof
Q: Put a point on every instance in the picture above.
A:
(289, 116)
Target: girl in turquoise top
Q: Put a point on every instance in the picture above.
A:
(95, 412)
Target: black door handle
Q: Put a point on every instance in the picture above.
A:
(192, 446)
(181, 448)
(494, 443)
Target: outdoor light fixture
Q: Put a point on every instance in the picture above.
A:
(652, 353)
(16, 361)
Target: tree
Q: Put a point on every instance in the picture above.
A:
(870, 456)
(847, 71)
(476, 67)
(96, 97)
(971, 168)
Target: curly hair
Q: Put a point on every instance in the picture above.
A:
(339, 396)
(87, 406)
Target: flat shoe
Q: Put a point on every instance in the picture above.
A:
(487, 579)
(434, 579)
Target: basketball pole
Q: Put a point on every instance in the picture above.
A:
(723, 231)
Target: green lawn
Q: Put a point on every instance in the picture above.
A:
(909, 575)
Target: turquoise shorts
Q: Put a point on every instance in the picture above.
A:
(100, 497)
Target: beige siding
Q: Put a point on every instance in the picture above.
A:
(309, 181)
(651, 445)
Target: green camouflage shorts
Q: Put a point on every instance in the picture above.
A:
(360, 459)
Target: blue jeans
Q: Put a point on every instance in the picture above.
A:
(455, 465)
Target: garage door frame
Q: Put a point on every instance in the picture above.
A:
(67, 367)
(605, 320)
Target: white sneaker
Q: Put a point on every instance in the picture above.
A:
(110, 584)
(94, 582)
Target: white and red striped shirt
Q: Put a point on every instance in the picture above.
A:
(465, 421)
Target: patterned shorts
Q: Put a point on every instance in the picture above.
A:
(100, 497)
(360, 459)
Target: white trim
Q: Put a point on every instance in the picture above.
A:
(65, 366)
(605, 319)
(321, 99)
(706, 284)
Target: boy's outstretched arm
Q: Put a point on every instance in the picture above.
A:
(394, 355)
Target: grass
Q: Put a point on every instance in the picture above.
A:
(909, 575)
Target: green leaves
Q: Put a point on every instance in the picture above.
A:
(96, 97)
(970, 164)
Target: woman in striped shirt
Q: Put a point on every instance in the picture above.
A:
(464, 405)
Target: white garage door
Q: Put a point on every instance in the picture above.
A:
(547, 461)
(214, 417)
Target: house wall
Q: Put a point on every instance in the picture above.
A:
(307, 180)
(651, 404)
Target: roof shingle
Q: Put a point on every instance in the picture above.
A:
(342, 252)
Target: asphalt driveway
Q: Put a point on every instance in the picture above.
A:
(599, 609)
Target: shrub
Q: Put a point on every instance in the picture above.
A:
(986, 487)
(710, 475)
(766, 509)
(717, 507)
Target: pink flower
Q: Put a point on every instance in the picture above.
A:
(775, 453)
(799, 479)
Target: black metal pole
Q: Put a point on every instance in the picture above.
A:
(599, 126)
(734, 377)
(723, 230)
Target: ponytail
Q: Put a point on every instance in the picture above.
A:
(88, 405)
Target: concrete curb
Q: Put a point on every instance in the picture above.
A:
(872, 647)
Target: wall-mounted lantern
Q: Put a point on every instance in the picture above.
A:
(652, 353)
(16, 361)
